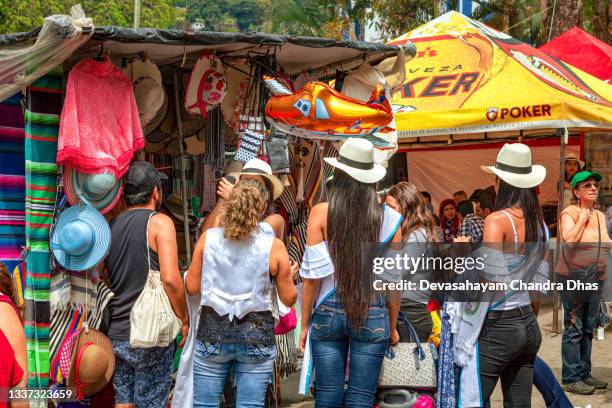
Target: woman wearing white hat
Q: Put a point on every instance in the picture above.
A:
(510, 337)
(350, 320)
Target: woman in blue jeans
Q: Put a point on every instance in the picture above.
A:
(343, 317)
(232, 269)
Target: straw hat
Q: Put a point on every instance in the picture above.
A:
(101, 191)
(174, 204)
(572, 156)
(356, 158)
(149, 93)
(80, 238)
(92, 364)
(194, 145)
(237, 85)
(207, 85)
(514, 166)
(258, 167)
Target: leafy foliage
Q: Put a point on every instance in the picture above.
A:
(211, 13)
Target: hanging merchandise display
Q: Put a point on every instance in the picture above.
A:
(99, 128)
(207, 85)
(250, 144)
(149, 92)
(80, 238)
(101, 191)
(194, 145)
(319, 111)
(235, 99)
(92, 363)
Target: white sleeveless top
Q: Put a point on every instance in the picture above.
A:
(236, 273)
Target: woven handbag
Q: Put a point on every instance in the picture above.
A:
(409, 364)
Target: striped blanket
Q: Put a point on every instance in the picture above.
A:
(43, 107)
(12, 193)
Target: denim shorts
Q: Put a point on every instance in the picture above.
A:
(142, 376)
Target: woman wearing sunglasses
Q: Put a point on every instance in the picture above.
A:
(583, 230)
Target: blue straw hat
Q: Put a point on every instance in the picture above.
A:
(81, 238)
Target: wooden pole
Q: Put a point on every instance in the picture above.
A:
(563, 136)
(179, 123)
(136, 13)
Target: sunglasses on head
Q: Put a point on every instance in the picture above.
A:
(591, 184)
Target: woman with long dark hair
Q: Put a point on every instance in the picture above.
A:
(572, 166)
(510, 336)
(449, 219)
(350, 320)
(417, 234)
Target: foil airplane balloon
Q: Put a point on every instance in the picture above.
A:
(319, 111)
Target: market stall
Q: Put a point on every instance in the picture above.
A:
(189, 103)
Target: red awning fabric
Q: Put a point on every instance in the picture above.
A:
(583, 51)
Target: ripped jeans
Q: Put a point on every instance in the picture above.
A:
(579, 320)
(213, 363)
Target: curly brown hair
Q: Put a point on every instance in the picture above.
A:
(7, 285)
(244, 208)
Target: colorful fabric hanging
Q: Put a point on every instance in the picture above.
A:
(44, 104)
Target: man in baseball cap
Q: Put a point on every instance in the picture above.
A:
(142, 239)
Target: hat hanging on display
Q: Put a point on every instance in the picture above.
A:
(174, 204)
(92, 363)
(207, 85)
(195, 146)
(156, 147)
(101, 191)
(258, 167)
(80, 238)
(173, 147)
(514, 166)
(235, 99)
(148, 91)
(572, 156)
(356, 158)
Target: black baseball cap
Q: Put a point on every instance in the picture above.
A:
(141, 176)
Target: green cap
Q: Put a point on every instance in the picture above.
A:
(584, 175)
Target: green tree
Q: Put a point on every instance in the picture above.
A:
(209, 12)
(306, 17)
(250, 15)
(17, 16)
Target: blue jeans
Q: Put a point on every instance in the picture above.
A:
(213, 363)
(579, 319)
(333, 340)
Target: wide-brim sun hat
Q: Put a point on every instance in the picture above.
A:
(514, 166)
(101, 191)
(92, 363)
(81, 238)
(258, 167)
(572, 156)
(356, 158)
(149, 91)
(174, 205)
(155, 122)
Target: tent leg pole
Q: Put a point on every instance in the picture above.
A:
(563, 135)
(179, 123)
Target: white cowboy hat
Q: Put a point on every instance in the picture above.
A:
(514, 166)
(572, 156)
(356, 158)
(258, 167)
(207, 85)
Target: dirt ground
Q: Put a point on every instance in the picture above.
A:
(550, 352)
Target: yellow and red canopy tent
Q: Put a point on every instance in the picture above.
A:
(471, 82)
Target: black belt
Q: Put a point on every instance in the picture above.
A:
(521, 311)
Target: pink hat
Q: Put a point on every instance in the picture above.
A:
(207, 85)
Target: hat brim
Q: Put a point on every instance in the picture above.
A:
(159, 117)
(101, 341)
(580, 162)
(529, 180)
(73, 182)
(101, 238)
(277, 185)
(373, 175)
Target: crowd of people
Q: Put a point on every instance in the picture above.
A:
(240, 263)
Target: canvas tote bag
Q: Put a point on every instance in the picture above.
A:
(152, 320)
